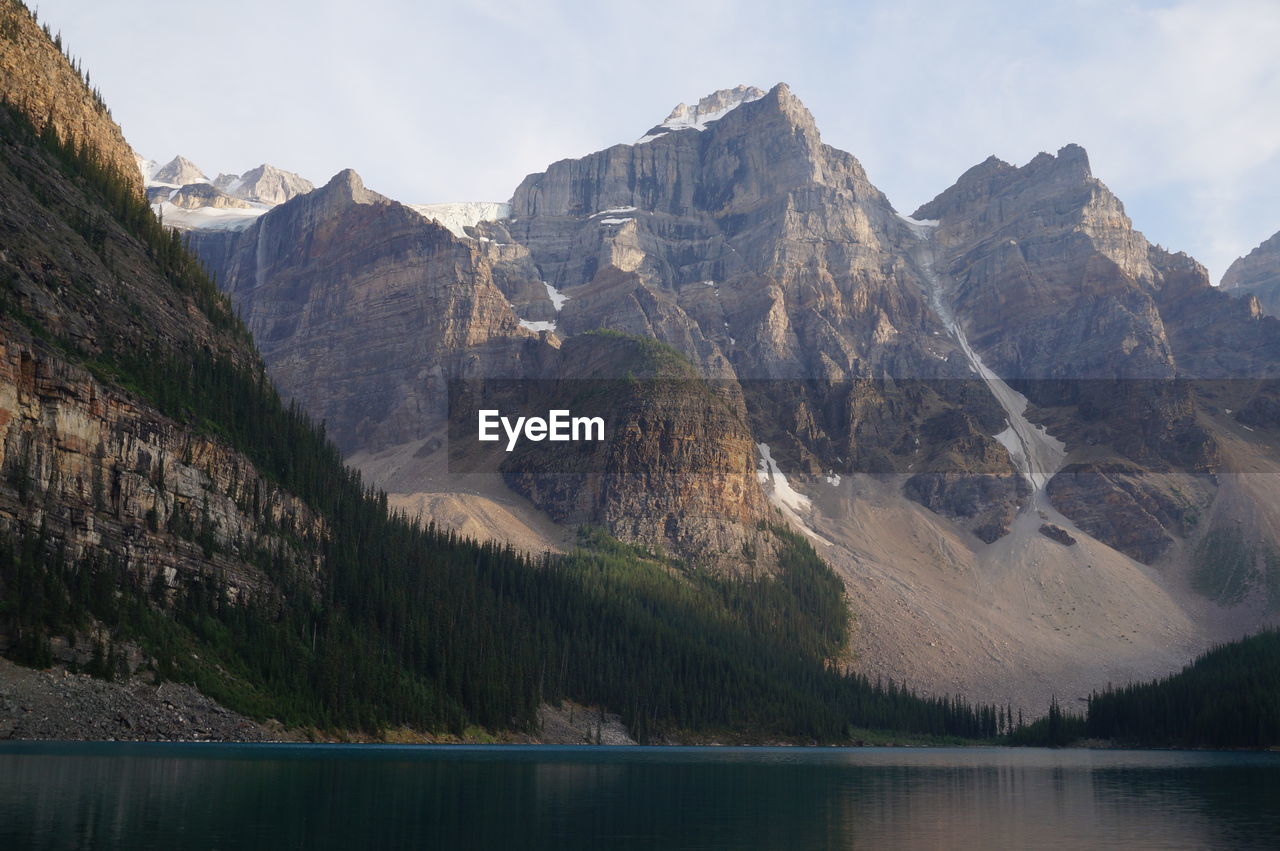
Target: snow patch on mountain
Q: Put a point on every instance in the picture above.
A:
(537, 325)
(780, 492)
(787, 499)
(613, 211)
(210, 218)
(147, 168)
(557, 298)
(457, 216)
(919, 227)
(711, 108)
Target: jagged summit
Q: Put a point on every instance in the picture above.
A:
(1067, 170)
(713, 107)
(266, 184)
(1258, 274)
(182, 193)
(348, 184)
(179, 171)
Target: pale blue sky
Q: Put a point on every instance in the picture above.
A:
(1178, 103)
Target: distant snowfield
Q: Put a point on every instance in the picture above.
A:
(459, 215)
(920, 227)
(539, 325)
(210, 218)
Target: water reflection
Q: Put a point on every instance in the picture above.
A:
(225, 796)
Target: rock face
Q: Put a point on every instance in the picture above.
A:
(985, 414)
(365, 310)
(101, 470)
(195, 196)
(1050, 275)
(1257, 274)
(362, 309)
(677, 471)
(179, 171)
(765, 256)
(1064, 298)
(38, 79)
(735, 236)
(86, 460)
(265, 184)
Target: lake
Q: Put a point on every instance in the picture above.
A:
(136, 796)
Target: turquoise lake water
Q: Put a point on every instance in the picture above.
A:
(217, 796)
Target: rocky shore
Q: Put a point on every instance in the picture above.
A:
(56, 704)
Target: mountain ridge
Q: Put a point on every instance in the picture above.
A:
(858, 339)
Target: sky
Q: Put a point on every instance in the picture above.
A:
(1177, 102)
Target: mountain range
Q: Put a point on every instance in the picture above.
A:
(1039, 453)
(952, 394)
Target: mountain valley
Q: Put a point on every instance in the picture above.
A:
(936, 388)
(1034, 453)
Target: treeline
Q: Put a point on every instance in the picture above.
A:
(114, 198)
(415, 626)
(1059, 728)
(1227, 698)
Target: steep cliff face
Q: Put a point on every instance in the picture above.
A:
(363, 309)
(37, 78)
(99, 470)
(1050, 276)
(676, 470)
(1062, 297)
(1126, 349)
(767, 257)
(1257, 274)
(750, 245)
(733, 234)
(96, 304)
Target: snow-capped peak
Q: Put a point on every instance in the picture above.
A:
(147, 167)
(711, 108)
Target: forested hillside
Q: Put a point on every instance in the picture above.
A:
(196, 517)
(1227, 698)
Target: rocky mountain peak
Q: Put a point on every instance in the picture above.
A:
(179, 171)
(1070, 167)
(347, 185)
(1257, 274)
(1044, 176)
(713, 106)
(266, 184)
